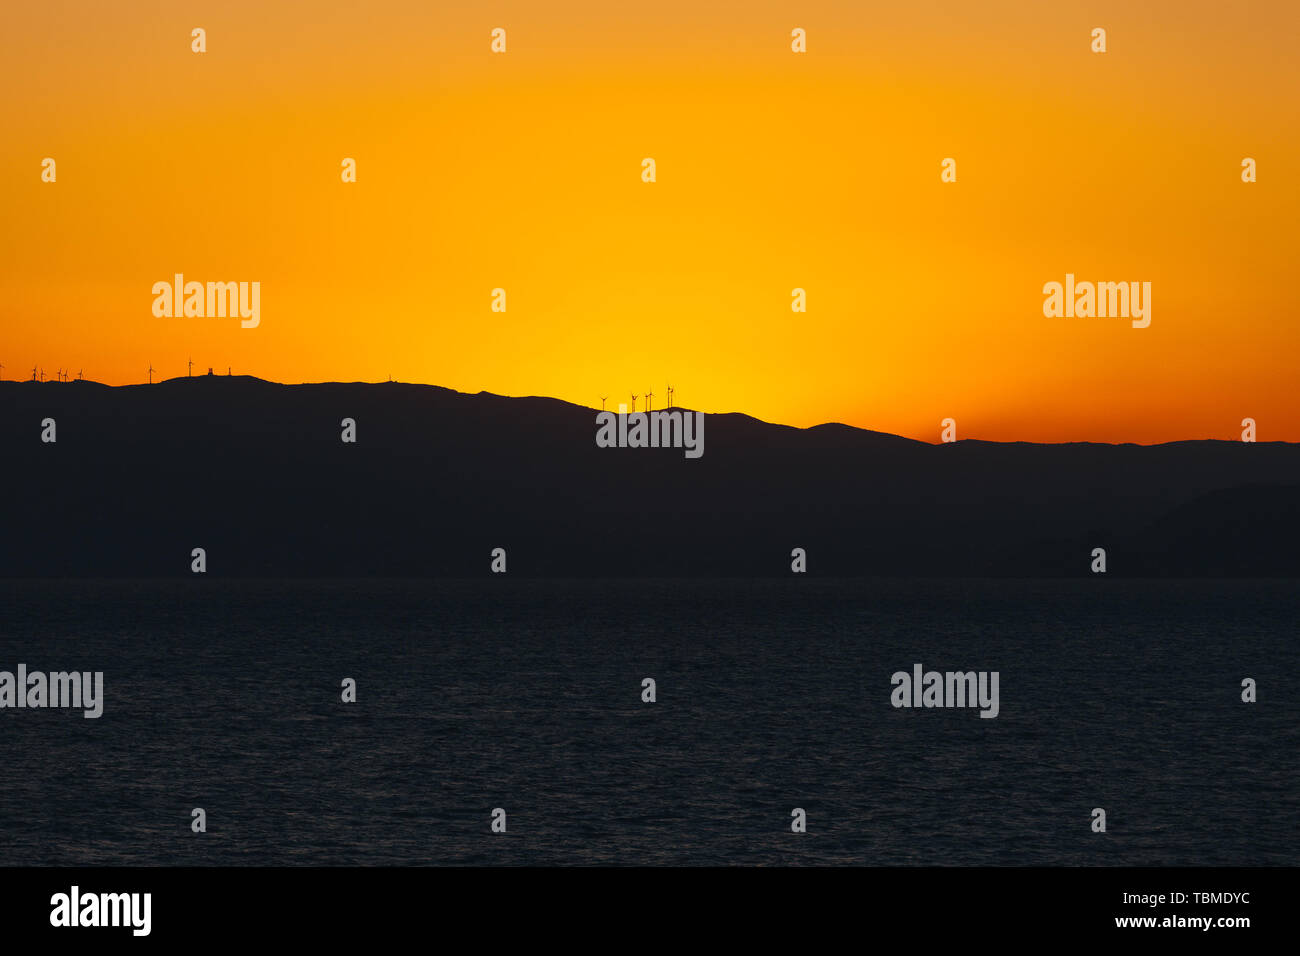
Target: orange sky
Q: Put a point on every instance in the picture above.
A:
(775, 171)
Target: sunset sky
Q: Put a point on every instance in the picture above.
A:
(775, 170)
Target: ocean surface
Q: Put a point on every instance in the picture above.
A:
(771, 695)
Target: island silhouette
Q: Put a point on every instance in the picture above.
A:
(256, 474)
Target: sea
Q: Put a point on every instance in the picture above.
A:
(522, 702)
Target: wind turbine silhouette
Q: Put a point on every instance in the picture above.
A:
(670, 396)
(602, 398)
(33, 373)
(191, 365)
(649, 400)
(42, 373)
(634, 398)
(81, 375)
(150, 373)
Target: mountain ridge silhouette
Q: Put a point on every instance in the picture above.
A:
(255, 473)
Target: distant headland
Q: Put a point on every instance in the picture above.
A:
(391, 479)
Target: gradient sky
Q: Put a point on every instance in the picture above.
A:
(775, 171)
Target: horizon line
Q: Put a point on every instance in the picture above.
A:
(550, 398)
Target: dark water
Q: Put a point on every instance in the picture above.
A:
(525, 695)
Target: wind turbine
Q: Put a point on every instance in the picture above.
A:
(81, 375)
(150, 373)
(33, 373)
(649, 400)
(670, 396)
(42, 373)
(634, 398)
(191, 365)
(602, 398)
